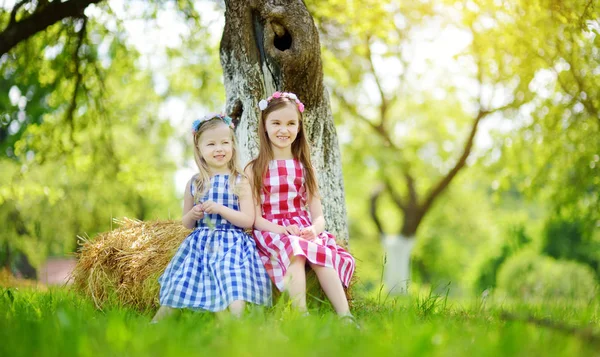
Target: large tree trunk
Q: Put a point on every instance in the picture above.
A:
(397, 247)
(270, 45)
(396, 275)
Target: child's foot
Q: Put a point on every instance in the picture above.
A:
(163, 312)
(350, 320)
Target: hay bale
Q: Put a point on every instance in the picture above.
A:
(123, 265)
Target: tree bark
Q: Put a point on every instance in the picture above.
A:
(270, 45)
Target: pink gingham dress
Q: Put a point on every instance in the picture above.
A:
(283, 201)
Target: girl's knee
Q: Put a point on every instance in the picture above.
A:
(317, 267)
(238, 303)
(299, 259)
(237, 307)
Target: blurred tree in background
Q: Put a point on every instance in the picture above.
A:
(81, 136)
(414, 83)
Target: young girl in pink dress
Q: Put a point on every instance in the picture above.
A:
(289, 225)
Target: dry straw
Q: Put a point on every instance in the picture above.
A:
(122, 266)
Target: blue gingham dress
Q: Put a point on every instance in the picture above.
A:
(217, 263)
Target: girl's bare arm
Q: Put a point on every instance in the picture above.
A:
(191, 214)
(260, 223)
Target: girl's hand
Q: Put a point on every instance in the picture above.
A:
(282, 230)
(308, 233)
(293, 230)
(211, 207)
(196, 213)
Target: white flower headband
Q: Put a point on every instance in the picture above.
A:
(291, 96)
(196, 124)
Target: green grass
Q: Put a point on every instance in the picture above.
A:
(60, 323)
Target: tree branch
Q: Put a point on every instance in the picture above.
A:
(402, 37)
(352, 109)
(55, 11)
(395, 196)
(384, 101)
(412, 191)
(187, 8)
(13, 13)
(78, 78)
(583, 15)
(373, 209)
(378, 129)
(445, 181)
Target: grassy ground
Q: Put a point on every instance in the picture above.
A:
(60, 323)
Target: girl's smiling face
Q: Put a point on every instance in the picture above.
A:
(216, 148)
(282, 126)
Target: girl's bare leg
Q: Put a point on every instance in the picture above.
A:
(295, 283)
(332, 286)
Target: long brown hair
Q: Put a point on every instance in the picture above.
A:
(300, 150)
(203, 178)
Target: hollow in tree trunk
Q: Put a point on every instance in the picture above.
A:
(274, 45)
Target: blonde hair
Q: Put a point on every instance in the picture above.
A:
(300, 150)
(202, 179)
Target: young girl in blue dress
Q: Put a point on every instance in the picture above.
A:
(217, 265)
